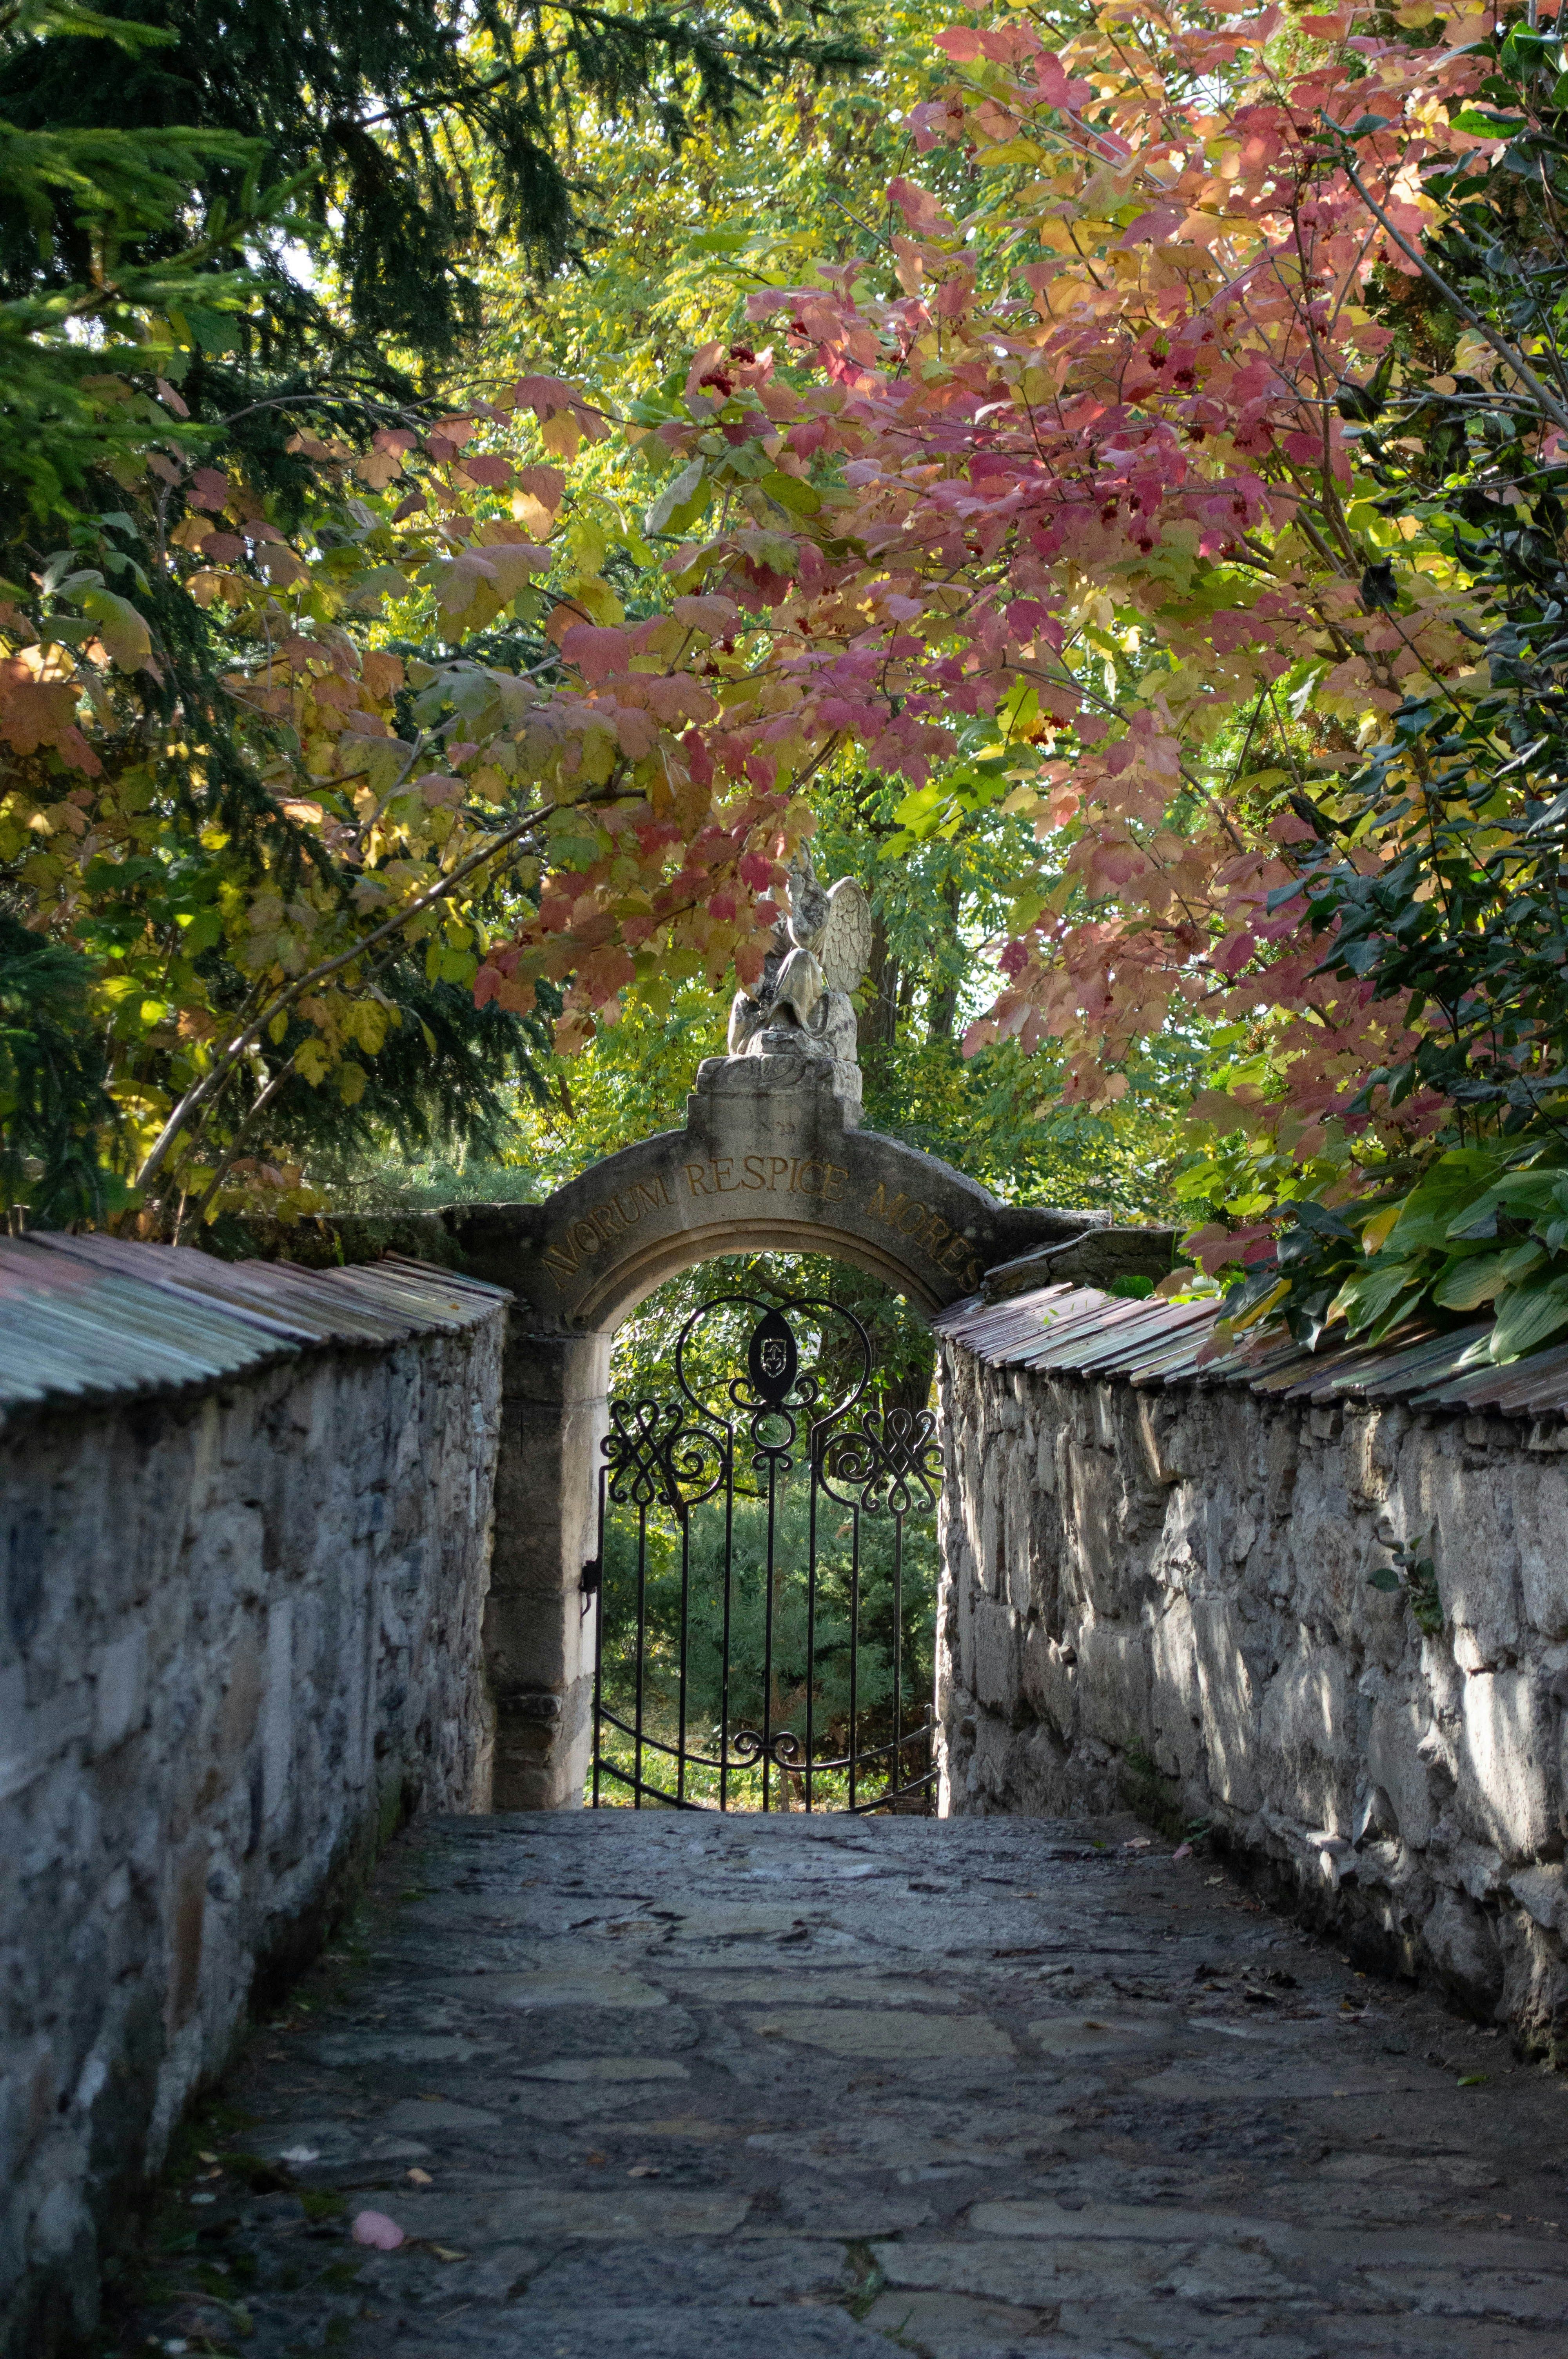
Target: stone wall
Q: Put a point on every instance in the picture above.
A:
(240, 1642)
(1158, 1595)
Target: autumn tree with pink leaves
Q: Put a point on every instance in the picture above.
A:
(1153, 498)
(1099, 461)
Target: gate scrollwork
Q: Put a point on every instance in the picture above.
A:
(889, 1463)
(654, 1456)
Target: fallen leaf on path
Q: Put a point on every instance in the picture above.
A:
(445, 2253)
(651, 2169)
(1472, 2080)
(418, 2178)
(1183, 1851)
(373, 2228)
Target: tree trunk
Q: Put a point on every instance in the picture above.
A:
(876, 1026)
(946, 972)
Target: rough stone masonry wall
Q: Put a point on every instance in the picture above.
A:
(240, 1638)
(1160, 1595)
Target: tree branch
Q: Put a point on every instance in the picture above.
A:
(1506, 352)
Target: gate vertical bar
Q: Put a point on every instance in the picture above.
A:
(768, 1632)
(599, 1639)
(729, 1571)
(854, 1647)
(642, 1653)
(811, 1619)
(896, 1757)
(684, 1513)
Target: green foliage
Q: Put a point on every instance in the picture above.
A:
(448, 1075)
(387, 1180)
(55, 1113)
(417, 135)
(82, 348)
(677, 241)
(1433, 879)
(1482, 1232)
(1413, 1577)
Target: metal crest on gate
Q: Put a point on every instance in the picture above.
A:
(772, 1360)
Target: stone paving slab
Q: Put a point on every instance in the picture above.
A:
(687, 2087)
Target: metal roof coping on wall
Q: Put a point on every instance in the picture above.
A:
(1078, 1331)
(95, 1318)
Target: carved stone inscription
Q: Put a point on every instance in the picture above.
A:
(947, 1247)
(727, 1175)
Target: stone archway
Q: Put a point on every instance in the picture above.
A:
(771, 1157)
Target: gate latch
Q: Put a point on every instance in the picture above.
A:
(592, 1578)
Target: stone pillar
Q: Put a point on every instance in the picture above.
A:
(538, 1642)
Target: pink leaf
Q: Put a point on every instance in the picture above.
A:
(596, 652)
(376, 2229)
(1184, 1850)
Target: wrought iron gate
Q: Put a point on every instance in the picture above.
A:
(755, 1660)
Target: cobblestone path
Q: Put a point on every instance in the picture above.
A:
(701, 2088)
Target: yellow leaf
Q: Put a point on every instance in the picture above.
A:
(532, 515)
(123, 632)
(560, 435)
(1377, 1228)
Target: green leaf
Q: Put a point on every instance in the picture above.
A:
(1373, 1290)
(1527, 1315)
(1471, 1279)
(1385, 1578)
(122, 629)
(1523, 1195)
(793, 493)
(669, 512)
